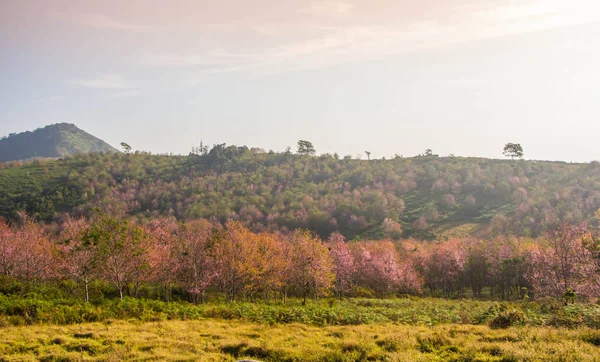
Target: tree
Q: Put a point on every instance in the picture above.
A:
(311, 265)
(194, 262)
(368, 155)
(200, 150)
(343, 263)
(379, 266)
(566, 267)
(513, 150)
(442, 266)
(33, 251)
(230, 249)
(78, 258)
(306, 148)
(392, 229)
(126, 148)
(164, 263)
(122, 249)
(8, 246)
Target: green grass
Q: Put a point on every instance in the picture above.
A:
(399, 329)
(413, 311)
(218, 340)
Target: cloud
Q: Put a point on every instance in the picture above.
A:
(353, 43)
(327, 9)
(294, 43)
(103, 22)
(108, 81)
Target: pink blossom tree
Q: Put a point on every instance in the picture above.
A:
(195, 265)
(78, 259)
(33, 252)
(565, 268)
(311, 265)
(8, 246)
(162, 259)
(343, 264)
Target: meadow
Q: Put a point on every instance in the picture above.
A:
(218, 340)
(395, 329)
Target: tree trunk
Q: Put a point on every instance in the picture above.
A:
(85, 286)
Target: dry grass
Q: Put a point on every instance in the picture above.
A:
(216, 340)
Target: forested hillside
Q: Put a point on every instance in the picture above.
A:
(425, 197)
(57, 140)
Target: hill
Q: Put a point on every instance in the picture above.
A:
(57, 140)
(426, 197)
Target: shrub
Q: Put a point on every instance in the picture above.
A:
(507, 319)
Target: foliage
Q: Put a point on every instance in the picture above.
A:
(199, 259)
(513, 150)
(306, 148)
(419, 197)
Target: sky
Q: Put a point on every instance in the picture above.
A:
(459, 77)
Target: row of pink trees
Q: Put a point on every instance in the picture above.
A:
(563, 264)
(199, 257)
(195, 256)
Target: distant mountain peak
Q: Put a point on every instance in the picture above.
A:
(53, 141)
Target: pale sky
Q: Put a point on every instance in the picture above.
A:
(391, 77)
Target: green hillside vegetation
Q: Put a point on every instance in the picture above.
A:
(426, 196)
(57, 140)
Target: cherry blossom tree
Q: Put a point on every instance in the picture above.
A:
(195, 265)
(311, 265)
(162, 259)
(122, 248)
(565, 268)
(343, 263)
(8, 248)
(33, 252)
(229, 248)
(442, 266)
(378, 265)
(78, 259)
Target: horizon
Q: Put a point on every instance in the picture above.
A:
(459, 77)
(358, 156)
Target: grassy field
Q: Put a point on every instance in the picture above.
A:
(218, 340)
(396, 329)
(16, 311)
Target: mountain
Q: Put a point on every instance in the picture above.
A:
(425, 197)
(54, 141)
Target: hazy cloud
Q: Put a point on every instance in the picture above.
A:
(317, 46)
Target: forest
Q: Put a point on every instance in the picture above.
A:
(424, 197)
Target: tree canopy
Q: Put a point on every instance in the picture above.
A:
(513, 150)
(426, 197)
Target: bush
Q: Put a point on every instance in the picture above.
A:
(507, 318)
